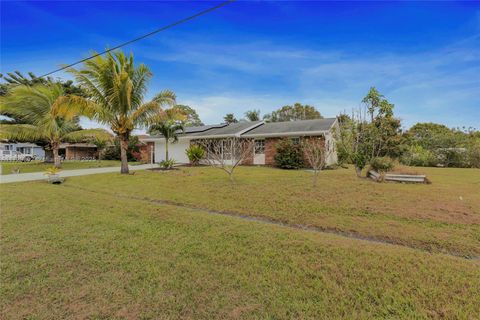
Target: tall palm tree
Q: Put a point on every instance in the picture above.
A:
(47, 115)
(118, 89)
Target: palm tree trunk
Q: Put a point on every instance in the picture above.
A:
(123, 154)
(166, 149)
(56, 158)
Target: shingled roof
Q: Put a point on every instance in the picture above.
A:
(287, 128)
(257, 129)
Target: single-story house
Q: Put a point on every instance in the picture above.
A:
(265, 136)
(24, 147)
(78, 151)
(75, 151)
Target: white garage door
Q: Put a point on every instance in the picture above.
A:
(176, 151)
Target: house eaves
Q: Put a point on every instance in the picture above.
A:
(286, 134)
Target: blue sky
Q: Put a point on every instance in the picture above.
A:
(423, 56)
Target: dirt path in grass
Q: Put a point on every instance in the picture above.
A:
(351, 235)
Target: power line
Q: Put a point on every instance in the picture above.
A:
(201, 13)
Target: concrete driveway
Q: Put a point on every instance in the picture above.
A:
(32, 176)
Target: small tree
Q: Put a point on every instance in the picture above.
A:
(315, 154)
(371, 131)
(170, 130)
(226, 154)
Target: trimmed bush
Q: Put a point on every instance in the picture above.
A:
(382, 164)
(195, 153)
(289, 155)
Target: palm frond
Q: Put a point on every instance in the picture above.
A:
(71, 106)
(165, 98)
(22, 133)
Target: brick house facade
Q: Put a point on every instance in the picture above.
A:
(265, 137)
(146, 150)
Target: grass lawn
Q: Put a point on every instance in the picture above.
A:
(86, 249)
(37, 166)
(441, 217)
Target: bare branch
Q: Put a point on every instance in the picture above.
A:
(316, 154)
(226, 154)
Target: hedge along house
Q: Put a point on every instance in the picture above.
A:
(265, 136)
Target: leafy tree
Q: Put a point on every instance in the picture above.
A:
(230, 118)
(192, 118)
(252, 115)
(118, 89)
(360, 139)
(432, 136)
(292, 113)
(474, 152)
(48, 116)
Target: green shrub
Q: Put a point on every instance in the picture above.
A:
(195, 153)
(417, 156)
(289, 155)
(113, 152)
(452, 157)
(167, 164)
(382, 164)
(474, 154)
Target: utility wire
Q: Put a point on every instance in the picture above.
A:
(201, 13)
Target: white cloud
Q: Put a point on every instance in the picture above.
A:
(424, 86)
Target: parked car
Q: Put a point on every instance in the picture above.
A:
(9, 155)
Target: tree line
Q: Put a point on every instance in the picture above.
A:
(371, 133)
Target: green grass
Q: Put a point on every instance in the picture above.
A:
(95, 253)
(38, 166)
(441, 217)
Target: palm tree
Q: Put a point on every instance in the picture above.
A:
(118, 89)
(47, 117)
(169, 124)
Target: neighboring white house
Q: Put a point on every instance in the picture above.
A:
(25, 148)
(265, 137)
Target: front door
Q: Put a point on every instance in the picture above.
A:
(259, 151)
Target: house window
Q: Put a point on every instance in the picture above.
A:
(296, 140)
(8, 147)
(259, 146)
(25, 150)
